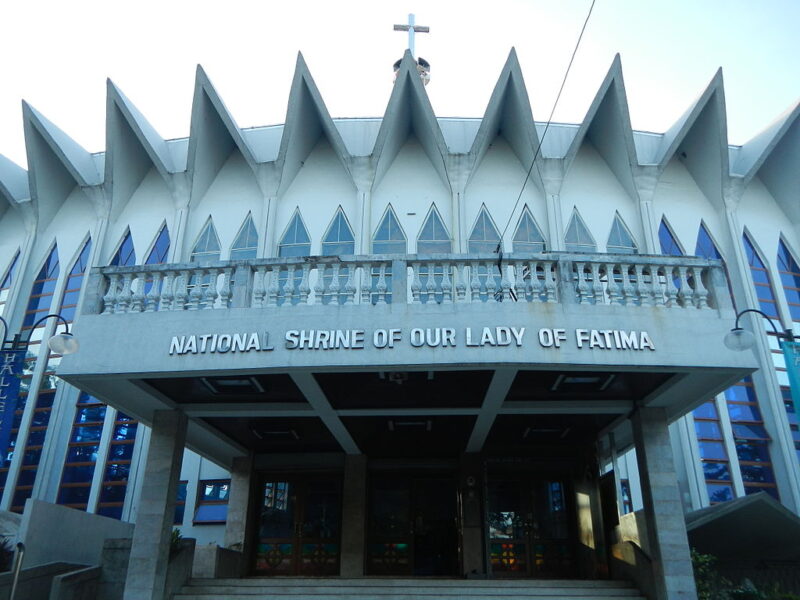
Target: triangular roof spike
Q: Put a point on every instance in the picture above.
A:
(213, 135)
(146, 135)
(13, 184)
(409, 109)
(702, 131)
(73, 156)
(307, 120)
(508, 114)
(608, 126)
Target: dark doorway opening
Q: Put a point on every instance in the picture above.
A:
(299, 526)
(412, 526)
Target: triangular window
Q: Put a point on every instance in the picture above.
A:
(620, 240)
(578, 239)
(389, 237)
(206, 249)
(245, 246)
(528, 237)
(125, 256)
(42, 291)
(433, 237)
(484, 237)
(790, 278)
(339, 239)
(705, 245)
(669, 245)
(295, 242)
(762, 282)
(158, 254)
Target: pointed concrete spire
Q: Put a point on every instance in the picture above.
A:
(213, 135)
(409, 110)
(700, 140)
(762, 147)
(13, 185)
(509, 115)
(607, 126)
(56, 165)
(307, 120)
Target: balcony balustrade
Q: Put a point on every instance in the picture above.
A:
(286, 283)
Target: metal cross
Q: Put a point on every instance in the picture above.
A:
(411, 28)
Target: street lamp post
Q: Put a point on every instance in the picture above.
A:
(61, 343)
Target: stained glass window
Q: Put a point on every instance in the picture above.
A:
(620, 240)
(669, 244)
(433, 237)
(578, 239)
(245, 246)
(125, 256)
(389, 237)
(206, 249)
(528, 237)
(160, 250)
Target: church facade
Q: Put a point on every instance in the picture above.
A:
(410, 345)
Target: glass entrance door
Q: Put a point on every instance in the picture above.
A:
(529, 525)
(299, 526)
(412, 526)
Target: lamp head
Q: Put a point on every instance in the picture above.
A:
(739, 339)
(63, 343)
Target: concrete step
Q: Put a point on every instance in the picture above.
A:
(406, 589)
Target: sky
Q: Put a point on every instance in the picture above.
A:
(57, 55)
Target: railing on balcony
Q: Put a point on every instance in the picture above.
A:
(630, 280)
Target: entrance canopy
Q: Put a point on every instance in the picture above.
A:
(420, 367)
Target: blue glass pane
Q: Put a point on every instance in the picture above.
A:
(740, 393)
(113, 493)
(180, 495)
(115, 512)
(578, 239)
(390, 232)
(757, 474)
(82, 453)
(125, 255)
(36, 438)
(31, 457)
(86, 434)
(211, 513)
(180, 510)
(708, 429)
(705, 246)
(78, 474)
(120, 452)
(9, 276)
(744, 412)
(669, 244)
(117, 472)
(716, 471)
(74, 495)
(20, 496)
(712, 450)
(125, 431)
(752, 451)
(158, 254)
(214, 490)
(296, 233)
(719, 493)
(26, 477)
(90, 414)
(749, 432)
(706, 411)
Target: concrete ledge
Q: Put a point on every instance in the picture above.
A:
(213, 562)
(76, 585)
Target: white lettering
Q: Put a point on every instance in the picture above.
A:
(581, 335)
(175, 347)
(417, 337)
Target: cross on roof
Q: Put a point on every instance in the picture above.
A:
(411, 28)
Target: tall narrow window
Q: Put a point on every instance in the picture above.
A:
(713, 455)
(338, 241)
(158, 254)
(39, 304)
(790, 280)
(8, 280)
(752, 439)
(389, 237)
(245, 246)
(578, 239)
(117, 467)
(761, 279)
(339, 238)
(433, 237)
(705, 245)
(620, 240)
(47, 388)
(125, 256)
(206, 249)
(295, 240)
(669, 244)
(484, 238)
(528, 237)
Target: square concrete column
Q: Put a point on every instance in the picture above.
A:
(147, 567)
(666, 526)
(240, 503)
(354, 515)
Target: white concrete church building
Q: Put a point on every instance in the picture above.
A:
(401, 346)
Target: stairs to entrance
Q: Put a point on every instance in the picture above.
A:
(405, 589)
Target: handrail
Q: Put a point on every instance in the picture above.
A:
(20, 554)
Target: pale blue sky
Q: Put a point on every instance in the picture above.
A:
(57, 54)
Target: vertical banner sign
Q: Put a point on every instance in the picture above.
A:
(791, 353)
(10, 371)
